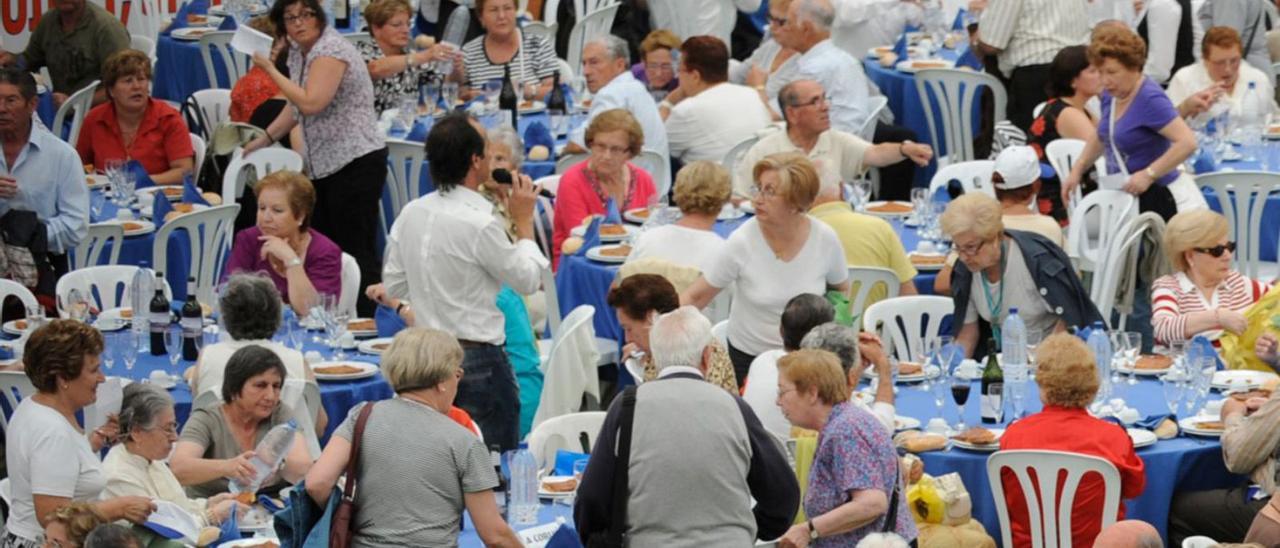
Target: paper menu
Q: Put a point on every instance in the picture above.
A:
(110, 398)
(249, 41)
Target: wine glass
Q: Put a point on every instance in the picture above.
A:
(578, 86)
(77, 308)
(130, 349)
(173, 345)
(296, 333)
(97, 202)
(449, 93)
(109, 351)
(1119, 356)
(1171, 384)
(491, 90)
(960, 388)
(1132, 348)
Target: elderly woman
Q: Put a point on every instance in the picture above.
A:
(1073, 81)
(657, 66)
(505, 150)
(299, 260)
(217, 442)
(854, 485)
(136, 466)
(397, 72)
(1152, 139)
(531, 58)
(778, 254)
(1204, 294)
(701, 189)
(68, 526)
(134, 126)
(51, 462)
(1068, 382)
(638, 300)
(1002, 269)
(856, 352)
(451, 467)
(614, 138)
(771, 65)
(346, 158)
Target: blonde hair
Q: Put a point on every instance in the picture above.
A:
(798, 181)
(617, 120)
(812, 368)
(702, 187)
(659, 39)
(1065, 371)
(125, 63)
(378, 12)
(974, 213)
(1189, 230)
(80, 518)
(420, 357)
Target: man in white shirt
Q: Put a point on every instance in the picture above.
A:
(606, 64)
(864, 24)
(1166, 27)
(449, 255)
(1221, 77)
(1024, 35)
(706, 116)
(688, 18)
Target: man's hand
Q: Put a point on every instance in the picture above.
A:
(8, 187)
(520, 204)
(59, 98)
(1267, 349)
(756, 76)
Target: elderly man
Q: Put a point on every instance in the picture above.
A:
(689, 482)
(73, 42)
(1221, 75)
(857, 351)
(41, 173)
(449, 255)
(706, 116)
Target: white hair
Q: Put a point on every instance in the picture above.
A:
(615, 47)
(508, 137)
(818, 12)
(882, 540)
(679, 337)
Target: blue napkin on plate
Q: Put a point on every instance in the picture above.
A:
(140, 175)
(565, 537)
(958, 24)
(900, 48)
(160, 207)
(1149, 422)
(190, 194)
(969, 59)
(591, 237)
(538, 134)
(565, 461)
(228, 23)
(389, 323)
(418, 132)
(1200, 346)
(611, 214)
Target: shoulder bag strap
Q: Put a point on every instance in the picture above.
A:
(349, 490)
(891, 520)
(618, 521)
(1111, 137)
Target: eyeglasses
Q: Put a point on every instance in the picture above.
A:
(1217, 250)
(779, 21)
(971, 249)
(171, 428)
(304, 16)
(763, 192)
(654, 67)
(601, 149)
(821, 99)
(782, 391)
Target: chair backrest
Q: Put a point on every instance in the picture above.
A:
(215, 105)
(350, 285)
(145, 44)
(1242, 196)
(570, 369)
(566, 161)
(876, 106)
(731, 158)
(1110, 210)
(545, 30)
(721, 332)
(263, 161)
(583, 7)
(303, 397)
(1062, 154)
(553, 301)
(550, 183)
(77, 105)
(562, 66)
(357, 38)
(972, 175)
(955, 94)
(563, 432)
(10, 288)
(234, 62)
(544, 215)
(14, 387)
(199, 147)
(404, 175)
(1122, 254)
(907, 322)
(89, 252)
(658, 167)
(595, 24)
(862, 279)
(209, 233)
(1040, 501)
(105, 286)
(146, 20)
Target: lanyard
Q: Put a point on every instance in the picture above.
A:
(996, 304)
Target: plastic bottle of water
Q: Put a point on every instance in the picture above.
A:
(522, 501)
(140, 291)
(268, 454)
(1253, 118)
(1013, 345)
(1100, 344)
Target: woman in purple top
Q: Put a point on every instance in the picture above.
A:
(301, 261)
(657, 66)
(1151, 138)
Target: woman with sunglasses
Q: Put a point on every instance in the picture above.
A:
(1204, 295)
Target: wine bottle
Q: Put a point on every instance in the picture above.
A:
(556, 107)
(342, 13)
(508, 103)
(992, 397)
(159, 317)
(192, 323)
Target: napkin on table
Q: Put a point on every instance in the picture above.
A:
(900, 48)
(142, 178)
(565, 537)
(565, 461)
(160, 207)
(961, 15)
(190, 194)
(590, 237)
(969, 59)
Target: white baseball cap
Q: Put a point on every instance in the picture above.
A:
(1018, 166)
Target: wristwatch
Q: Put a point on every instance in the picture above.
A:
(813, 532)
(293, 262)
(1151, 173)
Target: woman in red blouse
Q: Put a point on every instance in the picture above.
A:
(255, 88)
(614, 138)
(133, 126)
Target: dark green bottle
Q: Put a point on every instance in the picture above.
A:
(992, 396)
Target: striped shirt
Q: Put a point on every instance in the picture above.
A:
(1031, 32)
(1174, 296)
(535, 60)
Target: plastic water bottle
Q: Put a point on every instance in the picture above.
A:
(1253, 119)
(1100, 344)
(268, 454)
(1013, 334)
(522, 501)
(140, 291)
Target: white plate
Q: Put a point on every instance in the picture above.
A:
(747, 206)
(1188, 425)
(368, 347)
(905, 423)
(984, 448)
(362, 333)
(146, 210)
(543, 493)
(247, 542)
(580, 230)
(1124, 370)
(729, 213)
(191, 34)
(927, 267)
(880, 50)
(970, 370)
(918, 377)
(1239, 378)
(145, 226)
(638, 215)
(147, 193)
(11, 327)
(1141, 437)
(96, 181)
(367, 370)
(595, 255)
(886, 214)
(538, 106)
(255, 9)
(909, 66)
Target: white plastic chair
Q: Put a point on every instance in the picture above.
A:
(350, 285)
(582, 7)
(562, 66)
(199, 147)
(658, 167)
(215, 106)
(1203, 541)
(405, 160)
(563, 432)
(567, 376)
(14, 387)
(105, 286)
(1062, 154)
(145, 44)
(146, 20)
(1242, 196)
(566, 161)
(209, 234)
(357, 38)
(596, 24)
(89, 252)
(263, 161)
(10, 288)
(1108, 210)
(303, 397)
(77, 105)
(974, 175)
(550, 183)
(721, 333)
(862, 279)
(956, 94)
(907, 321)
(545, 30)
(1040, 502)
(876, 106)
(1121, 254)
(607, 348)
(735, 154)
(235, 63)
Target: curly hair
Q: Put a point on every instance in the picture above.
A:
(250, 306)
(298, 190)
(123, 63)
(818, 369)
(702, 187)
(80, 518)
(1123, 45)
(1065, 371)
(57, 351)
(975, 213)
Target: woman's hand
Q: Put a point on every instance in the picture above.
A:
(277, 248)
(438, 52)
(1266, 348)
(796, 537)
(263, 62)
(240, 468)
(135, 509)
(1138, 183)
(222, 510)
(1232, 321)
(1068, 185)
(260, 142)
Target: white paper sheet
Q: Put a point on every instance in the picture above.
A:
(110, 398)
(249, 41)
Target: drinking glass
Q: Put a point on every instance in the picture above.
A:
(97, 202)
(579, 467)
(861, 195)
(919, 203)
(130, 349)
(173, 345)
(939, 390)
(1171, 384)
(296, 333)
(1132, 348)
(491, 90)
(960, 388)
(578, 86)
(109, 351)
(529, 92)
(1119, 356)
(449, 93)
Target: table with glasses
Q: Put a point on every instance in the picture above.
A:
(136, 250)
(1262, 157)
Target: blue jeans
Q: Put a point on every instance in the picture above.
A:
(488, 392)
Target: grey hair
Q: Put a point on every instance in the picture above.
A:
(837, 339)
(617, 48)
(679, 337)
(250, 307)
(883, 540)
(818, 12)
(508, 137)
(111, 535)
(142, 404)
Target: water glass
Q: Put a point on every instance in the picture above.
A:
(449, 93)
(1132, 349)
(296, 333)
(919, 203)
(173, 345)
(1171, 384)
(97, 202)
(861, 195)
(491, 90)
(129, 350)
(579, 468)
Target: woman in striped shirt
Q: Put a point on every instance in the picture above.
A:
(1204, 295)
(531, 58)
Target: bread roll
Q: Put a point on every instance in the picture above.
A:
(538, 153)
(571, 245)
(1167, 429)
(207, 536)
(918, 442)
(213, 198)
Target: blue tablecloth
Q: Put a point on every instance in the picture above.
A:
(137, 251)
(908, 111)
(1185, 463)
(1270, 229)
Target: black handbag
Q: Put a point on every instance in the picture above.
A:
(25, 257)
(615, 536)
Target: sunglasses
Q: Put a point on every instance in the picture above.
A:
(1218, 250)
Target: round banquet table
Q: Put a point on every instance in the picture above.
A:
(904, 101)
(1270, 229)
(136, 251)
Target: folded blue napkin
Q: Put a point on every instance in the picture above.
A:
(969, 59)
(1204, 161)
(591, 237)
(565, 461)
(419, 130)
(179, 18)
(142, 178)
(190, 194)
(389, 323)
(961, 16)
(900, 48)
(565, 537)
(160, 207)
(228, 23)
(611, 214)
(1199, 347)
(538, 134)
(1149, 422)
(270, 504)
